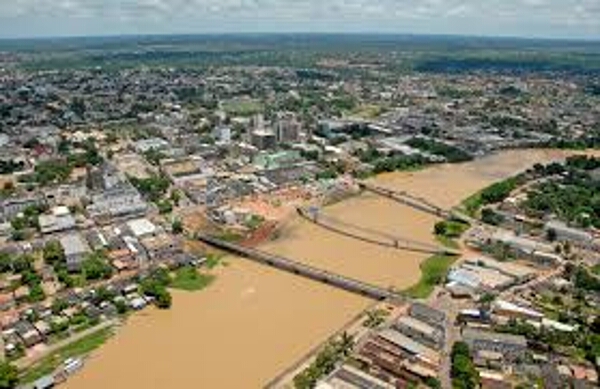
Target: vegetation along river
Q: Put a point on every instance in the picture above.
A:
(253, 321)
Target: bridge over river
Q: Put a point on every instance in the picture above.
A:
(369, 235)
(294, 267)
(417, 203)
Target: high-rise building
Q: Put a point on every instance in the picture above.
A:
(264, 139)
(287, 128)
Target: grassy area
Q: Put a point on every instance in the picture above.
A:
(447, 242)
(242, 107)
(368, 111)
(472, 204)
(433, 272)
(188, 278)
(213, 260)
(50, 363)
(230, 236)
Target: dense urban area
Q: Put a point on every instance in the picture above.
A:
(130, 167)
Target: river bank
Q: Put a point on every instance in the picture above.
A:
(253, 322)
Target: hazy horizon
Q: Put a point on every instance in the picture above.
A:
(538, 19)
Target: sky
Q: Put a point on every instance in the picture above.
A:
(524, 18)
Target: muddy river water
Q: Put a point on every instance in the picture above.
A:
(254, 321)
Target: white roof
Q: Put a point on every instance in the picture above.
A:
(508, 306)
(61, 211)
(141, 227)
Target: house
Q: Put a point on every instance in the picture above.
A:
(7, 301)
(514, 311)
(161, 247)
(116, 203)
(43, 327)
(28, 334)
(510, 346)
(76, 249)
(420, 331)
(11, 207)
(59, 220)
(349, 377)
(411, 348)
(426, 314)
(144, 145)
(566, 233)
(142, 227)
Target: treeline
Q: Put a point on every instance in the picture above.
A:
(9, 167)
(494, 193)
(463, 372)
(574, 197)
(325, 362)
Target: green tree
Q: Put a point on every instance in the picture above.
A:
(5, 262)
(177, 226)
(9, 376)
(23, 263)
(53, 253)
(95, 267)
(463, 371)
(175, 197)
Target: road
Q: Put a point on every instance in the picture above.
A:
(29, 360)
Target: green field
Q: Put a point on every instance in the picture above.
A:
(189, 279)
(433, 272)
(243, 107)
(50, 363)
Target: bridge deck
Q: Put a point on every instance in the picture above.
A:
(416, 202)
(372, 236)
(289, 265)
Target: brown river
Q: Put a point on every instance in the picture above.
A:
(253, 321)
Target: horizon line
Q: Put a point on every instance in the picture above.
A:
(289, 33)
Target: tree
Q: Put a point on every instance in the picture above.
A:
(95, 267)
(440, 228)
(177, 226)
(164, 207)
(59, 305)
(5, 262)
(175, 197)
(22, 263)
(163, 299)
(53, 253)
(9, 376)
(463, 372)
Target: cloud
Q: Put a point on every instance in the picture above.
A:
(552, 18)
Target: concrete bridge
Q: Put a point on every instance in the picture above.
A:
(294, 267)
(417, 203)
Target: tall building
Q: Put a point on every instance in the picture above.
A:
(287, 128)
(264, 139)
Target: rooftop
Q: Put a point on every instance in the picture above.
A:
(472, 334)
(74, 244)
(141, 227)
(418, 325)
(409, 345)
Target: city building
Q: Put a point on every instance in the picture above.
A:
(76, 249)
